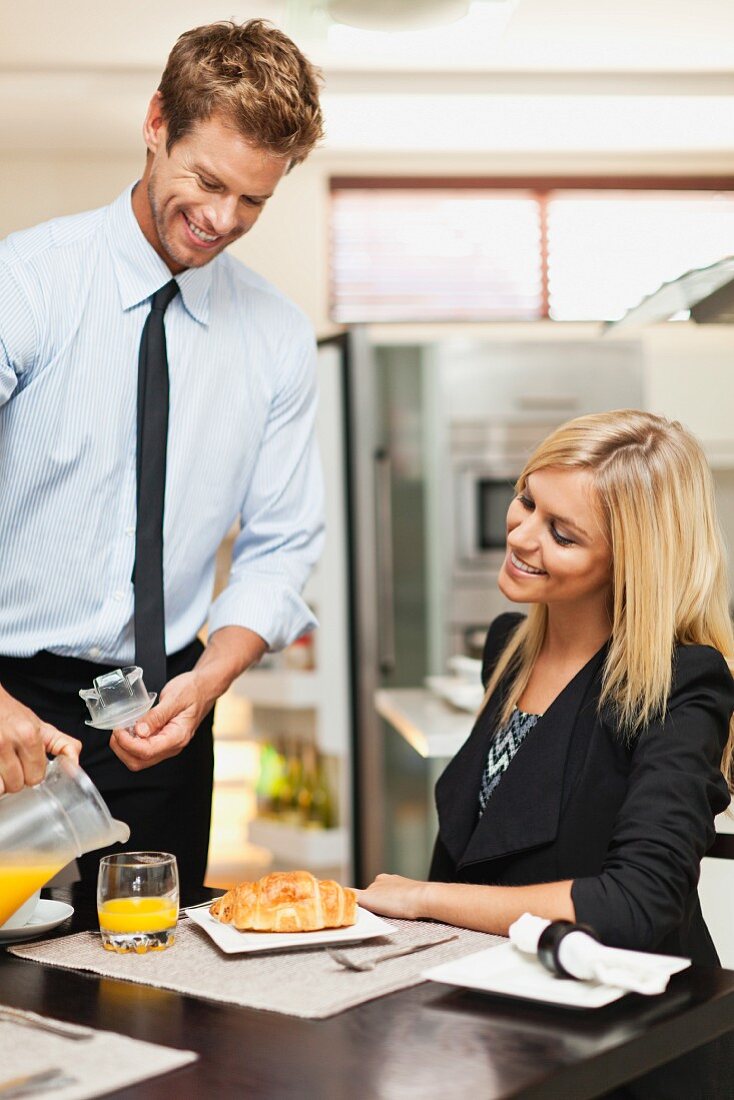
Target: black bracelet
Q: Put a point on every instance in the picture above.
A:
(550, 941)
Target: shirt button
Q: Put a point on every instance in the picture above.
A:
(94, 652)
(118, 595)
(129, 530)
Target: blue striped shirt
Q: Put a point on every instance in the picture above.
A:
(74, 295)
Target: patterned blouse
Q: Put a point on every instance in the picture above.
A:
(505, 744)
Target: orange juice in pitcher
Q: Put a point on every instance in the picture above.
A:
(42, 828)
(20, 878)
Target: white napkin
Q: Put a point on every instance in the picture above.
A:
(587, 960)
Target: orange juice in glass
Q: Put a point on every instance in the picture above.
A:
(137, 901)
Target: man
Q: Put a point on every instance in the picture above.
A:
(152, 390)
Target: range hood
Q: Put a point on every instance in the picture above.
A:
(708, 292)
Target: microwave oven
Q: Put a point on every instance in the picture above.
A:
(486, 459)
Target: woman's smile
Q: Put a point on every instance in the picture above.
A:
(524, 567)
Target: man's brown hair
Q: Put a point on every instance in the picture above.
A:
(252, 75)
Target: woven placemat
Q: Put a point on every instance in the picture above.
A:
(305, 982)
(91, 1067)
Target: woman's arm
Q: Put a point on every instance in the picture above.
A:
(665, 825)
(483, 908)
(663, 829)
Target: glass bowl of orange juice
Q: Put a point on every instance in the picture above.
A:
(137, 901)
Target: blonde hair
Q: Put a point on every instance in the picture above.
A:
(670, 582)
(251, 74)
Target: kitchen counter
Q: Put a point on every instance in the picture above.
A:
(434, 728)
(431, 1041)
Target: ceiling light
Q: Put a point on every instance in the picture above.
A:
(396, 15)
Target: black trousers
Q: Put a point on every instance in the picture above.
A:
(167, 806)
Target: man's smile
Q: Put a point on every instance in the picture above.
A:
(205, 238)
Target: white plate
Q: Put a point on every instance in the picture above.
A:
(47, 915)
(233, 942)
(512, 973)
(460, 693)
(467, 667)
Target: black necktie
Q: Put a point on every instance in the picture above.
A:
(150, 622)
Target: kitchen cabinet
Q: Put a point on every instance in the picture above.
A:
(689, 376)
(535, 381)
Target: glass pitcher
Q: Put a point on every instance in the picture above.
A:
(43, 828)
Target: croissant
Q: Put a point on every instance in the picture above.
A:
(287, 901)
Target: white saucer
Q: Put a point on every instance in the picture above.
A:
(124, 722)
(48, 915)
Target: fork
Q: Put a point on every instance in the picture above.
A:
(204, 904)
(56, 1027)
(343, 958)
(200, 905)
(32, 1083)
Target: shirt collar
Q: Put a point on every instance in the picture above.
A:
(139, 269)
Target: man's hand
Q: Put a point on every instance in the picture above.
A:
(166, 729)
(24, 742)
(186, 700)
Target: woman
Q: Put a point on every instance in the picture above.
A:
(588, 787)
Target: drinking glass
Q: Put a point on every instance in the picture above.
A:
(137, 901)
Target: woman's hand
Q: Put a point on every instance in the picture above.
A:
(395, 896)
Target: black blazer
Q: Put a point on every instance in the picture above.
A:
(628, 823)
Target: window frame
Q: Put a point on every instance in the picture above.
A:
(541, 188)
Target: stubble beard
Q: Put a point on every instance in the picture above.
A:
(168, 248)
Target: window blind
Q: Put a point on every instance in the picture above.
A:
(474, 253)
(424, 255)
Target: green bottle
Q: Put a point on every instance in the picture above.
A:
(321, 813)
(268, 780)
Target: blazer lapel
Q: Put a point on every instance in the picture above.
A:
(457, 790)
(524, 810)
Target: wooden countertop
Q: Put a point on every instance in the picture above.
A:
(431, 1041)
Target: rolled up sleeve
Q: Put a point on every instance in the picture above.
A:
(665, 824)
(18, 330)
(282, 524)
